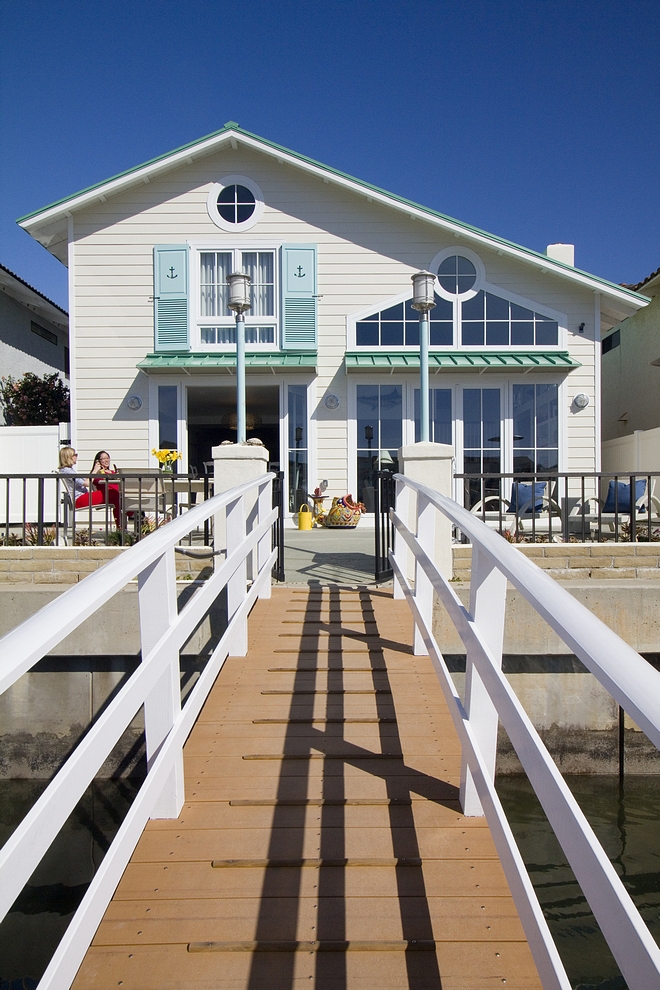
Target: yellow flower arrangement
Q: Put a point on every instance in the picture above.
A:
(166, 458)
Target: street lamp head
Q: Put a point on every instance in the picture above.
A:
(368, 433)
(239, 292)
(423, 291)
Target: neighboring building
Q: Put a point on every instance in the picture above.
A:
(333, 368)
(34, 332)
(631, 368)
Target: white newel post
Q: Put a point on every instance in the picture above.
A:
(236, 464)
(487, 608)
(158, 610)
(428, 464)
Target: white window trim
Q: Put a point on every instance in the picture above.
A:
(212, 203)
(462, 252)
(198, 321)
(562, 320)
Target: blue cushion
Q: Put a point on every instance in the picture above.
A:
(622, 493)
(521, 494)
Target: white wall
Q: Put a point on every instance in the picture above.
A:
(28, 450)
(640, 451)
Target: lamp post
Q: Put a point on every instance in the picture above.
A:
(423, 301)
(239, 303)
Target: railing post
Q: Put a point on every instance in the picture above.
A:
(426, 517)
(265, 507)
(400, 549)
(237, 584)
(158, 610)
(487, 607)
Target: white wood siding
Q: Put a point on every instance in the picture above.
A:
(366, 253)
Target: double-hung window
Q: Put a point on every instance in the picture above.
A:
(216, 322)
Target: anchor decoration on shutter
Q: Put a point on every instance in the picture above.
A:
(299, 297)
(171, 297)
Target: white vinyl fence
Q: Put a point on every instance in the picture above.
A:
(30, 450)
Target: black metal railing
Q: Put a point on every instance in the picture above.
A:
(278, 525)
(534, 507)
(384, 500)
(105, 509)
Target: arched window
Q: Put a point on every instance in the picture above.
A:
(398, 326)
(489, 319)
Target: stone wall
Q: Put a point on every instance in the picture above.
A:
(68, 565)
(573, 561)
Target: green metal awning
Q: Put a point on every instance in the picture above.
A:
(260, 363)
(479, 361)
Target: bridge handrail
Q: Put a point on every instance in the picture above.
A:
(155, 684)
(636, 687)
(28, 642)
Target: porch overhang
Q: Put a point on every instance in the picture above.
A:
(476, 361)
(259, 363)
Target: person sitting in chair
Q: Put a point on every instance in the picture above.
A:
(80, 494)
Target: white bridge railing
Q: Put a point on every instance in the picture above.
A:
(155, 684)
(633, 683)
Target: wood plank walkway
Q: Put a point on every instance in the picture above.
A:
(321, 843)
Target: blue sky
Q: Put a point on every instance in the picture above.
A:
(537, 120)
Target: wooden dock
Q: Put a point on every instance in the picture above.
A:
(321, 843)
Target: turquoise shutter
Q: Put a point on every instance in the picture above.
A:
(171, 297)
(299, 297)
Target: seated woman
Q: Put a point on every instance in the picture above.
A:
(80, 493)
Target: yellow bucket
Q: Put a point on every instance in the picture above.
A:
(305, 517)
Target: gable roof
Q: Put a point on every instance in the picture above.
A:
(49, 224)
(27, 295)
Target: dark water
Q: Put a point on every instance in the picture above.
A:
(37, 921)
(627, 825)
(625, 822)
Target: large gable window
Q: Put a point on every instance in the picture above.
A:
(489, 319)
(216, 321)
(398, 326)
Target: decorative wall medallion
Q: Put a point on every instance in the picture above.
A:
(134, 402)
(331, 401)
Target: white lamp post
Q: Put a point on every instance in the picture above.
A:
(423, 301)
(239, 303)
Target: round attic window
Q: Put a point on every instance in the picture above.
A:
(235, 203)
(459, 273)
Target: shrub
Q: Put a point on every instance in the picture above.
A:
(34, 401)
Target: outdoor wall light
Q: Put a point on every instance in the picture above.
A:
(581, 400)
(134, 402)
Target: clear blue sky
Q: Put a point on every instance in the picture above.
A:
(538, 121)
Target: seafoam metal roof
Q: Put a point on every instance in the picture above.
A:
(480, 361)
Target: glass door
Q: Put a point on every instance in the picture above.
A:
(379, 435)
(482, 442)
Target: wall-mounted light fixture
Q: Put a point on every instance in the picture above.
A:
(581, 328)
(581, 400)
(134, 402)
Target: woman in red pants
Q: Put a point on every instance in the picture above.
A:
(81, 494)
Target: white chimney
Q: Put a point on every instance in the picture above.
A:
(562, 252)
